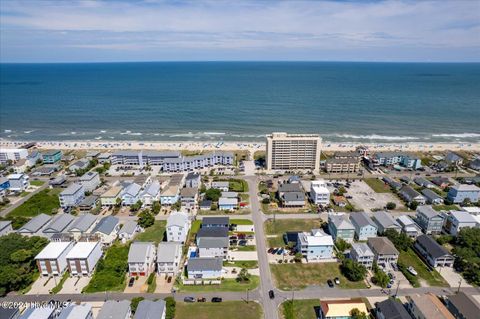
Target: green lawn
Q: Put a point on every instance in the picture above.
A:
(224, 212)
(445, 207)
(225, 309)
(37, 183)
(59, 286)
(244, 197)
(45, 201)
(241, 221)
(249, 264)
(237, 185)
(228, 284)
(299, 309)
(281, 226)
(24, 193)
(410, 258)
(154, 233)
(299, 276)
(377, 185)
(110, 272)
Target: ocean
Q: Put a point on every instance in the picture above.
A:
(240, 101)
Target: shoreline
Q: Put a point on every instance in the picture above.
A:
(250, 146)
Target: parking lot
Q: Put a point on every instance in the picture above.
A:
(364, 198)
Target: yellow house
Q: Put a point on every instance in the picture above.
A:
(109, 198)
(341, 309)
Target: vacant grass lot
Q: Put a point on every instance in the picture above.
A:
(46, 201)
(299, 309)
(228, 284)
(154, 233)
(224, 212)
(299, 276)
(281, 226)
(37, 183)
(445, 207)
(433, 278)
(377, 185)
(241, 221)
(226, 309)
(249, 264)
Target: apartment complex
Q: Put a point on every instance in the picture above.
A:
(293, 151)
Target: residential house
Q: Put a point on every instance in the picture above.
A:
(89, 203)
(229, 195)
(405, 179)
(459, 193)
(33, 158)
(111, 196)
(213, 247)
(141, 258)
(289, 188)
(441, 182)
(432, 252)
(72, 196)
(20, 166)
(113, 309)
(432, 197)
(47, 312)
(18, 182)
(463, 306)
(59, 181)
(454, 158)
(364, 226)
(170, 195)
(59, 224)
(5, 227)
(458, 220)
(215, 222)
(384, 251)
(410, 195)
(391, 309)
(104, 158)
(131, 194)
(392, 183)
(211, 232)
(189, 197)
(412, 162)
(34, 225)
(319, 193)
(129, 230)
(90, 181)
(46, 170)
(475, 164)
(429, 220)
(51, 157)
(4, 184)
(79, 165)
(82, 225)
(52, 260)
(315, 245)
(420, 181)
(227, 203)
(73, 311)
(362, 254)
(192, 180)
(151, 194)
(92, 155)
(107, 229)
(9, 313)
(222, 186)
(427, 306)
(169, 255)
(83, 258)
(148, 309)
(340, 309)
(204, 268)
(409, 227)
(339, 226)
(384, 221)
(340, 201)
(205, 204)
(178, 225)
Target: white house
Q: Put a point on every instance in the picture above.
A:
(365, 227)
(319, 193)
(34, 225)
(82, 225)
(213, 247)
(83, 258)
(141, 258)
(18, 182)
(128, 230)
(362, 254)
(315, 246)
(170, 195)
(151, 194)
(227, 203)
(204, 268)
(457, 220)
(223, 186)
(52, 260)
(90, 181)
(107, 229)
(12, 154)
(131, 194)
(72, 196)
(178, 225)
(169, 255)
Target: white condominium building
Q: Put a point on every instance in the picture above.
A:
(319, 193)
(12, 154)
(293, 151)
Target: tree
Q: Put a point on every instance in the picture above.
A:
(355, 313)
(134, 303)
(146, 219)
(118, 202)
(380, 278)
(342, 245)
(171, 307)
(243, 275)
(135, 207)
(413, 205)
(391, 205)
(353, 270)
(467, 252)
(213, 194)
(177, 205)
(400, 240)
(298, 257)
(20, 255)
(341, 191)
(156, 207)
(266, 201)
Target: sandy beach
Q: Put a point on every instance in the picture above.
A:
(235, 146)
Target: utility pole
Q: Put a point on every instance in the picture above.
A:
(396, 291)
(247, 294)
(459, 284)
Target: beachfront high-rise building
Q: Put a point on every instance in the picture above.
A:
(293, 151)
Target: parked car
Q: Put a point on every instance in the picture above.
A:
(216, 299)
(189, 299)
(131, 282)
(280, 251)
(169, 279)
(274, 251)
(271, 294)
(330, 283)
(201, 299)
(394, 266)
(337, 281)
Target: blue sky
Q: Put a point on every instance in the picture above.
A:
(155, 30)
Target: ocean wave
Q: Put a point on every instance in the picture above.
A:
(378, 137)
(214, 133)
(459, 135)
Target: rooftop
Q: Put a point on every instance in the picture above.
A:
(382, 245)
(216, 221)
(208, 242)
(36, 223)
(466, 188)
(148, 309)
(114, 191)
(467, 305)
(430, 306)
(106, 225)
(431, 246)
(72, 189)
(53, 250)
(82, 249)
(139, 251)
(129, 227)
(113, 309)
(462, 217)
(392, 309)
(202, 264)
(177, 219)
(168, 251)
(362, 249)
(428, 211)
(362, 219)
(342, 308)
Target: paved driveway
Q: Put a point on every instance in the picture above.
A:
(140, 285)
(43, 285)
(452, 277)
(74, 285)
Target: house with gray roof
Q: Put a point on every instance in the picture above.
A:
(392, 183)
(178, 225)
(409, 227)
(151, 194)
(420, 181)
(475, 164)
(189, 197)
(90, 181)
(107, 229)
(384, 250)
(223, 186)
(432, 252)
(72, 196)
(78, 165)
(213, 247)
(58, 224)
(129, 229)
(148, 309)
(169, 255)
(82, 225)
(223, 221)
(362, 254)
(74, 311)
(340, 226)
(141, 258)
(34, 226)
(391, 309)
(463, 305)
(204, 268)
(432, 197)
(89, 203)
(212, 232)
(365, 227)
(5, 227)
(293, 199)
(457, 220)
(227, 203)
(192, 180)
(411, 195)
(461, 192)
(289, 187)
(384, 221)
(131, 194)
(441, 182)
(429, 220)
(454, 158)
(113, 309)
